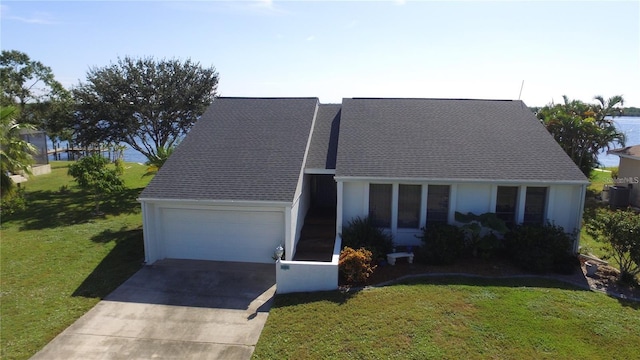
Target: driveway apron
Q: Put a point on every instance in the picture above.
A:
(174, 309)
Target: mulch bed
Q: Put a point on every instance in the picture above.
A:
(605, 279)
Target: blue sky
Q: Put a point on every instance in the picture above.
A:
(340, 49)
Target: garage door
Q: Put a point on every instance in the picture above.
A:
(221, 235)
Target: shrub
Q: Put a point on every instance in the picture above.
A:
(13, 202)
(539, 248)
(91, 174)
(355, 265)
(362, 232)
(621, 230)
(488, 246)
(442, 244)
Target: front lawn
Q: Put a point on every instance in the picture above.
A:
(57, 260)
(452, 318)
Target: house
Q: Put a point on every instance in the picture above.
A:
(629, 173)
(249, 172)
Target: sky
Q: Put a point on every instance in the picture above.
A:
(536, 51)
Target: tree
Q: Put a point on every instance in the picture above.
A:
(145, 103)
(15, 153)
(621, 230)
(583, 130)
(91, 174)
(31, 86)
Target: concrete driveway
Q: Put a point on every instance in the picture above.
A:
(174, 309)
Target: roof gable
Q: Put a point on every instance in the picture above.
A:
(448, 140)
(247, 149)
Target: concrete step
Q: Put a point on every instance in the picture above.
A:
(312, 220)
(313, 256)
(318, 233)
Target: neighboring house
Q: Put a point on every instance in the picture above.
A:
(247, 174)
(629, 172)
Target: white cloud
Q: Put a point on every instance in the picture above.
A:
(40, 18)
(265, 7)
(311, 38)
(33, 20)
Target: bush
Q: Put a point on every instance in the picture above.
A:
(442, 244)
(539, 248)
(355, 265)
(362, 233)
(488, 246)
(621, 230)
(13, 202)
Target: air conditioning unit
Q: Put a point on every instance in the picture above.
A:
(618, 196)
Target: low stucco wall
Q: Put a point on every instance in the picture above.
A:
(41, 169)
(308, 276)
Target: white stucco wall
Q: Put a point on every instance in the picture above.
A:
(298, 212)
(475, 198)
(355, 201)
(629, 174)
(304, 276)
(563, 201)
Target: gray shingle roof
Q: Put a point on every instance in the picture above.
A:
(448, 139)
(241, 149)
(324, 141)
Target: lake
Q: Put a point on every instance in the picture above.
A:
(628, 124)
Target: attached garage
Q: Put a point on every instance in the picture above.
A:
(231, 190)
(189, 230)
(221, 235)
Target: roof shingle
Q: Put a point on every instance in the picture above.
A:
(324, 141)
(448, 139)
(249, 149)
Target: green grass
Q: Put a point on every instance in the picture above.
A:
(589, 245)
(599, 179)
(452, 318)
(58, 260)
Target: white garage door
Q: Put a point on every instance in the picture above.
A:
(221, 235)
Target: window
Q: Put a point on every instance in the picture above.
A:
(534, 205)
(380, 204)
(409, 206)
(438, 204)
(506, 204)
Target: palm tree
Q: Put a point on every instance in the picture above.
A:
(15, 153)
(155, 163)
(582, 129)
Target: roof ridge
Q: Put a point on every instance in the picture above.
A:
(268, 97)
(454, 99)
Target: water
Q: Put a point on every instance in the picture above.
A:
(630, 126)
(130, 155)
